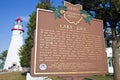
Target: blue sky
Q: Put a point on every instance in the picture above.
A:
(12, 9)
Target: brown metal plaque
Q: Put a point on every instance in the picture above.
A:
(67, 45)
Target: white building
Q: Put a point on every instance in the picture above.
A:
(109, 59)
(13, 59)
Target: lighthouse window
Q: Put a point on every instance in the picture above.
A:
(20, 32)
(14, 64)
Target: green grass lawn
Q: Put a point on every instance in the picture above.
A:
(22, 76)
(100, 77)
(12, 76)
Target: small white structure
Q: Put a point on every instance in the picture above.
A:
(109, 60)
(13, 59)
(29, 77)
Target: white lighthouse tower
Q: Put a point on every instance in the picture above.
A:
(13, 59)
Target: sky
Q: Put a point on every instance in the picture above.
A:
(10, 10)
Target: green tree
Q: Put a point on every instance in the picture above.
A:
(115, 21)
(3, 57)
(109, 12)
(25, 51)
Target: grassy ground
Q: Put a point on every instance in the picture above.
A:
(21, 76)
(100, 77)
(12, 76)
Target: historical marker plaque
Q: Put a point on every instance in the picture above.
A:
(67, 45)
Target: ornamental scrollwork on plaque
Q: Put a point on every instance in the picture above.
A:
(60, 10)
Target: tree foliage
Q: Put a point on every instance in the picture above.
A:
(25, 52)
(2, 58)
